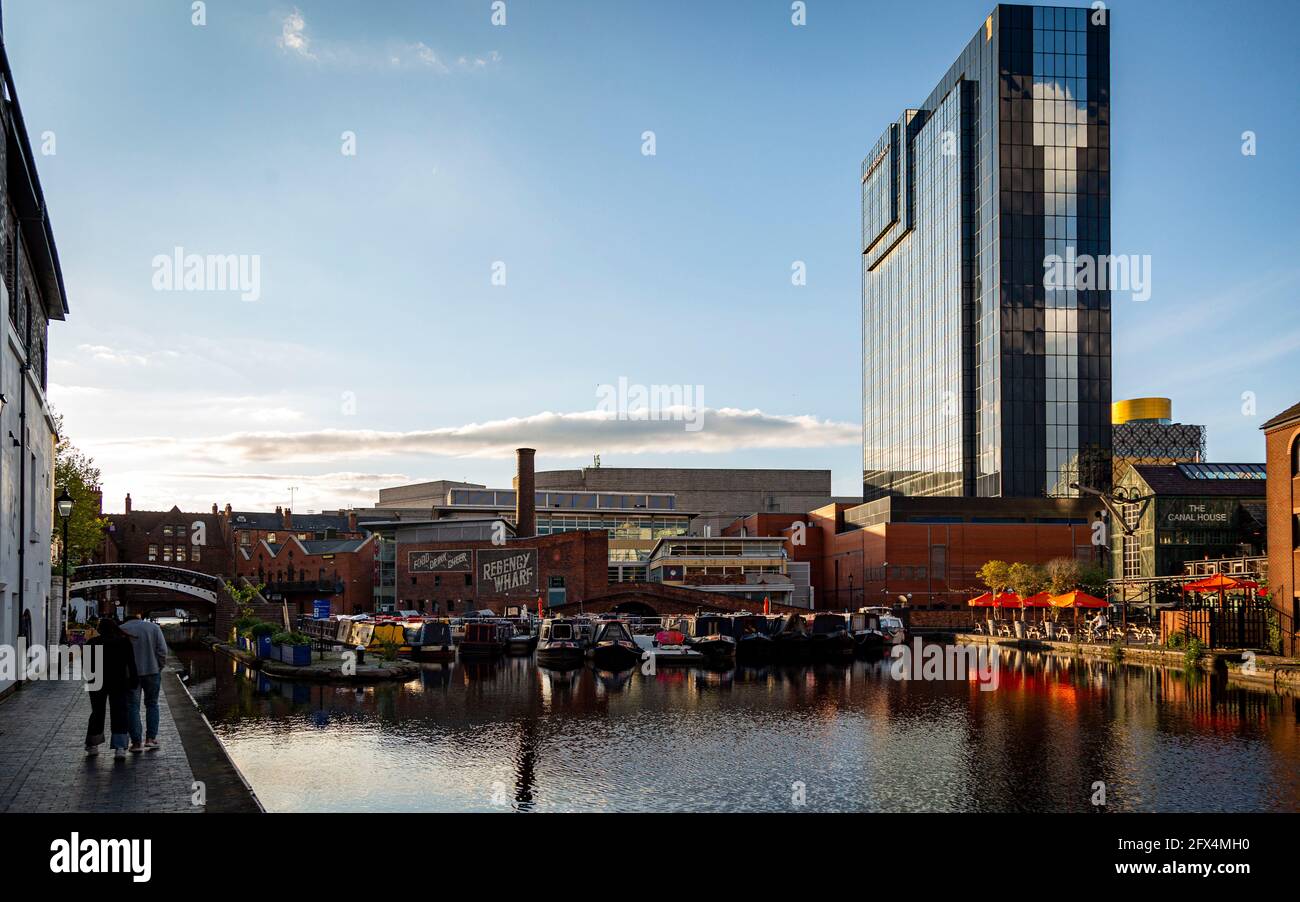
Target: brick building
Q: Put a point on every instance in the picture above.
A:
(926, 550)
(300, 572)
(171, 538)
(1282, 459)
(247, 528)
(453, 566)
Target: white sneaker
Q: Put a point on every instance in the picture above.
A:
(119, 754)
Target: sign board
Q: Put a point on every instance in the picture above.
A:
(507, 571)
(456, 560)
(1208, 514)
(320, 609)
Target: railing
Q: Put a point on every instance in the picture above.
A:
(145, 572)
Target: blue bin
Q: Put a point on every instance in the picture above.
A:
(264, 646)
(297, 655)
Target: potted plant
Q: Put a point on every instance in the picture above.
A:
(292, 648)
(260, 638)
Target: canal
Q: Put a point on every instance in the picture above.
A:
(836, 737)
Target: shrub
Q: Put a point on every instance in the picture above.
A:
(1175, 641)
(290, 638)
(1116, 652)
(1193, 653)
(261, 628)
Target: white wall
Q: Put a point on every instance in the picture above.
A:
(33, 536)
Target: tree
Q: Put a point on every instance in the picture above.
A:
(1062, 574)
(244, 596)
(77, 473)
(1026, 580)
(995, 575)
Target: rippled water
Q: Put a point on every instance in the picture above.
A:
(511, 736)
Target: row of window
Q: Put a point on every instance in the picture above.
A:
(175, 553)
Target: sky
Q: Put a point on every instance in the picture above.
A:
(457, 242)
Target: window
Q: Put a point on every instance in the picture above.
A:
(1295, 457)
(469, 579)
(270, 537)
(180, 554)
(167, 531)
(194, 554)
(167, 554)
(243, 538)
(153, 552)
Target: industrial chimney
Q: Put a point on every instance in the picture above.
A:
(525, 494)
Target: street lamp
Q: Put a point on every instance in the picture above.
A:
(63, 504)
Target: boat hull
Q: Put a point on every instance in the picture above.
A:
(615, 655)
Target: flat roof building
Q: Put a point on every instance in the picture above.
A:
(1282, 440)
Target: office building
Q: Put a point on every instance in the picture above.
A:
(982, 377)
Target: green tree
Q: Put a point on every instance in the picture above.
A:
(995, 575)
(77, 473)
(244, 596)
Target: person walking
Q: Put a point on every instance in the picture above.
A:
(118, 678)
(150, 656)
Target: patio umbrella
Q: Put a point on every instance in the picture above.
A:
(982, 601)
(1077, 599)
(1217, 583)
(1041, 600)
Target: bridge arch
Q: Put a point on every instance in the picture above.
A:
(175, 579)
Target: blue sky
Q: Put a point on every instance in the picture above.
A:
(380, 351)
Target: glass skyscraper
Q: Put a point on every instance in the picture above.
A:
(979, 379)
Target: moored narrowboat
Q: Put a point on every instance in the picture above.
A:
(484, 639)
(614, 648)
(559, 644)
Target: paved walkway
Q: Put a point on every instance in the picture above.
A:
(44, 767)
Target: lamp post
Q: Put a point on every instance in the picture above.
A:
(64, 506)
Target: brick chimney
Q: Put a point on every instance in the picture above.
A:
(128, 502)
(352, 521)
(288, 518)
(214, 508)
(229, 510)
(525, 494)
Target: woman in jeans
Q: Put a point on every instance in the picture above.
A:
(117, 665)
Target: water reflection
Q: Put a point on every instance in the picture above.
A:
(507, 735)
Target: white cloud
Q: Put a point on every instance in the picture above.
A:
(293, 35)
(554, 434)
(295, 41)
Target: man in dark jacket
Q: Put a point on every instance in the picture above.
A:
(117, 667)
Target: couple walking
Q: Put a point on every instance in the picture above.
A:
(133, 656)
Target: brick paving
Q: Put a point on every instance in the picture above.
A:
(44, 767)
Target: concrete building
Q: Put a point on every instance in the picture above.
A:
(33, 293)
(744, 568)
(635, 507)
(1282, 442)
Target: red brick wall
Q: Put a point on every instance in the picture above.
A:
(354, 570)
(581, 558)
(1283, 504)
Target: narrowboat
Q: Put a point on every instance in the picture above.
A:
(790, 638)
(753, 644)
(614, 648)
(710, 634)
(828, 634)
(484, 639)
(523, 637)
(667, 648)
(559, 644)
(434, 642)
(891, 626)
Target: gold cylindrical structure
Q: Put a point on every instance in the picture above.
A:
(1141, 409)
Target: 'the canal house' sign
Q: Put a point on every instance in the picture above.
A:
(507, 571)
(1199, 514)
(455, 560)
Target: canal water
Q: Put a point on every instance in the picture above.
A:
(511, 736)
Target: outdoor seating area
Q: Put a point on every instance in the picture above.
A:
(1046, 625)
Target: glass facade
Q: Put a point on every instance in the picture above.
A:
(981, 376)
